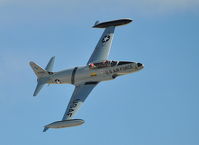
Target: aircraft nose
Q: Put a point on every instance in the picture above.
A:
(139, 64)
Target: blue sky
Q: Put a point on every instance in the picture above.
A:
(158, 105)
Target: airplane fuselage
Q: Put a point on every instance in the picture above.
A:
(93, 74)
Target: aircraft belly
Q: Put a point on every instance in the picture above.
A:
(82, 75)
(88, 75)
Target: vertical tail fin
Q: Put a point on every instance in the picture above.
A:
(42, 75)
(50, 64)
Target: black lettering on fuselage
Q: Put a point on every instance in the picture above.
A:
(118, 69)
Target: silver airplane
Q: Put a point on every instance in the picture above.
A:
(85, 78)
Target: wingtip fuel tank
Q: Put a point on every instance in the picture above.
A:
(118, 22)
(64, 123)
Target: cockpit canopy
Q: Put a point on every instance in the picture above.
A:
(107, 63)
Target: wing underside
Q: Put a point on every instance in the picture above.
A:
(103, 47)
(79, 96)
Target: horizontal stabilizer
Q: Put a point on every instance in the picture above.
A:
(38, 88)
(112, 23)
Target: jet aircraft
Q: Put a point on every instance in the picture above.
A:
(85, 78)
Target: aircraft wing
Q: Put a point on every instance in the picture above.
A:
(79, 96)
(103, 47)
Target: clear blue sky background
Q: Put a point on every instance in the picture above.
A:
(156, 106)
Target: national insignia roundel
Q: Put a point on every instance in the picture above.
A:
(106, 38)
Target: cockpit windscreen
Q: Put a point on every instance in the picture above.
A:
(103, 64)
